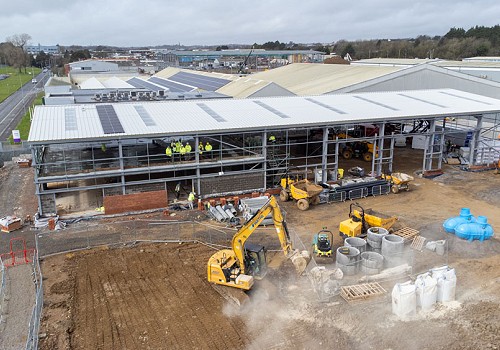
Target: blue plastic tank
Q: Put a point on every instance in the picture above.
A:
(479, 230)
(465, 217)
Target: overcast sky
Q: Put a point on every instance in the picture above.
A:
(204, 22)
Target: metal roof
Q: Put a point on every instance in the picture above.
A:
(307, 78)
(218, 116)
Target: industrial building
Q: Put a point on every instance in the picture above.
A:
(86, 154)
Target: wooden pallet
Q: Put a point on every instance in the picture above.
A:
(418, 243)
(407, 233)
(360, 292)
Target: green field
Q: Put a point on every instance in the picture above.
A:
(15, 81)
(25, 123)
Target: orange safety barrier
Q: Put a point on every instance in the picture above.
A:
(18, 257)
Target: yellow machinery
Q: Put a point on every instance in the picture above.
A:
(237, 267)
(398, 181)
(302, 191)
(360, 221)
(357, 149)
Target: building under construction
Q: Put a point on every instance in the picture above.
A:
(89, 155)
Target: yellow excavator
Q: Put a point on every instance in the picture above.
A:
(239, 266)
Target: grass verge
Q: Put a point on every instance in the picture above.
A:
(25, 123)
(15, 80)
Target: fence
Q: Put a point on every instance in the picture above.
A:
(36, 315)
(2, 288)
(8, 151)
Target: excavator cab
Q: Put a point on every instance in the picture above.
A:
(255, 260)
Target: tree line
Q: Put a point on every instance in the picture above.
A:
(456, 44)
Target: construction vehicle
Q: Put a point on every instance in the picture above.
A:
(398, 181)
(322, 243)
(360, 220)
(239, 266)
(357, 149)
(303, 191)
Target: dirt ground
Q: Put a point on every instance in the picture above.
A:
(156, 296)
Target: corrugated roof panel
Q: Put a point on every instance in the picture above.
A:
(186, 117)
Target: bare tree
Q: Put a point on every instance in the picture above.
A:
(21, 59)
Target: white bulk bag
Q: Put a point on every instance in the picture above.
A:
(404, 300)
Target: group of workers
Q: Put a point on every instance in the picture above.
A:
(184, 151)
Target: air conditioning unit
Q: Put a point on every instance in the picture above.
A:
(140, 95)
(133, 95)
(147, 95)
(105, 97)
(161, 93)
(97, 97)
(112, 96)
(126, 95)
(154, 94)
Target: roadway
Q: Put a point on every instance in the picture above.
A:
(15, 106)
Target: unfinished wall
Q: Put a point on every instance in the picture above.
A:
(135, 202)
(231, 183)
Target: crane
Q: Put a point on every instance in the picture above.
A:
(244, 64)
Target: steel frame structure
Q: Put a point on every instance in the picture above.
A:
(121, 166)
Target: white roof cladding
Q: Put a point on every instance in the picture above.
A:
(218, 116)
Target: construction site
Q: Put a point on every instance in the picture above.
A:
(365, 220)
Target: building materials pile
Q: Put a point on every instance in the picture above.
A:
(250, 206)
(10, 223)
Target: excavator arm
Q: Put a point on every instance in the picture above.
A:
(239, 239)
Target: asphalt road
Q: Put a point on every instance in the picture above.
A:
(16, 105)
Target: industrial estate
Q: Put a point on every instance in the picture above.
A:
(254, 199)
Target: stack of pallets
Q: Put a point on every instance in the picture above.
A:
(407, 233)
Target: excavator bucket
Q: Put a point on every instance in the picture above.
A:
(236, 297)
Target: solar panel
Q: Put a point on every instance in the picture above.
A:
(109, 120)
(139, 83)
(171, 85)
(271, 109)
(376, 103)
(211, 112)
(325, 106)
(422, 100)
(146, 118)
(70, 119)
(201, 81)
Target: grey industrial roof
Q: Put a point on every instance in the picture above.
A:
(216, 116)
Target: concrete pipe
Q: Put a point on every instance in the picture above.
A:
(355, 242)
(371, 263)
(375, 235)
(348, 260)
(392, 250)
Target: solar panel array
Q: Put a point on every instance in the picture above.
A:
(70, 119)
(211, 112)
(146, 118)
(109, 120)
(271, 109)
(171, 85)
(139, 83)
(200, 81)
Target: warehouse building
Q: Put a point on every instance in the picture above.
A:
(89, 155)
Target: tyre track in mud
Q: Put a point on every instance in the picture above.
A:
(152, 296)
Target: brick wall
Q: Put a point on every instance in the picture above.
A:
(231, 183)
(135, 202)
